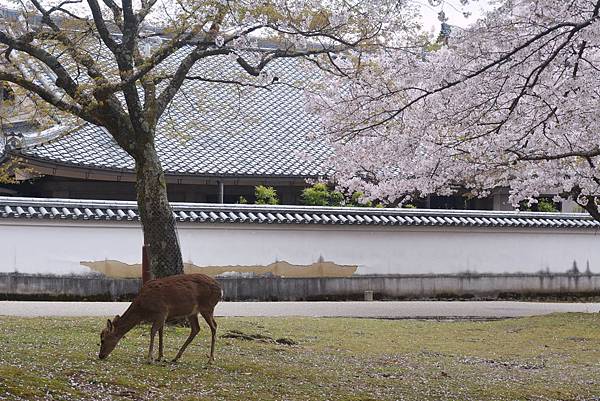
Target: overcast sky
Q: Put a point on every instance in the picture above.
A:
(453, 11)
(452, 8)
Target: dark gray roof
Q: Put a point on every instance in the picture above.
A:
(94, 210)
(214, 129)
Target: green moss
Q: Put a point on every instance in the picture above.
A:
(552, 357)
(28, 384)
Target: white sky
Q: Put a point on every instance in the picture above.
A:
(453, 11)
(452, 8)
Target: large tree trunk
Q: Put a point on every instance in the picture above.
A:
(155, 212)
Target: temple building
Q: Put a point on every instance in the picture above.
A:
(216, 142)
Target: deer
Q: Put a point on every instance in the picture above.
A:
(164, 299)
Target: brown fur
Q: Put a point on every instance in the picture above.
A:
(160, 300)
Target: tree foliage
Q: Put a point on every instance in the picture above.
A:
(13, 167)
(6, 176)
(511, 101)
(107, 63)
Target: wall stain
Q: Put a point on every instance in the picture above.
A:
(117, 269)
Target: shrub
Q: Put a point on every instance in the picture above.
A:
(317, 195)
(545, 205)
(266, 195)
(320, 195)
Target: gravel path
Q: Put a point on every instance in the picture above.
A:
(397, 310)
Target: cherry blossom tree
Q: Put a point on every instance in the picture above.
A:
(511, 101)
(108, 63)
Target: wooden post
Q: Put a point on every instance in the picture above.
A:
(221, 194)
(146, 273)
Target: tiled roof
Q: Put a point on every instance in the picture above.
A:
(93, 210)
(214, 129)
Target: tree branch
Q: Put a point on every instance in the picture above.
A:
(145, 10)
(117, 13)
(78, 56)
(47, 96)
(101, 27)
(500, 60)
(220, 81)
(576, 153)
(64, 79)
(179, 76)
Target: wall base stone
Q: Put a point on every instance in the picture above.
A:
(15, 286)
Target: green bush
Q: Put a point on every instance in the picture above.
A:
(545, 205)
(320, 195)
(317, 195)
(266, 195)
(336, 199)
(542, 205)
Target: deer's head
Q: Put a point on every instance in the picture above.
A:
(109, 338)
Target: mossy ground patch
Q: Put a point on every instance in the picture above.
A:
(555, 357)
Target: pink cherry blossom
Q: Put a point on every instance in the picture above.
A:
(511, 101)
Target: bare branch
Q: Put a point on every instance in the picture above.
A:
(101, 27)
(117, 13)
(80, 57)
(64, 79)
(222, 81)
(47, 96)
(576, 153)
(145, 10)
(179, 76)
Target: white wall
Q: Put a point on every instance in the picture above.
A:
(58, 247)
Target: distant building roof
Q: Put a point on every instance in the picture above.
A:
(212, 129)
(98, 210)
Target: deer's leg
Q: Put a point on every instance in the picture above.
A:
(156, 325)
(160, 342)
(212, 323)
(195, 326)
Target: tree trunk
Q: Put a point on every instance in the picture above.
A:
(156, 215)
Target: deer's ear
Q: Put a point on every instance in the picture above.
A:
(109, 325)
(115, 319)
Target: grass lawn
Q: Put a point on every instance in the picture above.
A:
(555, 357)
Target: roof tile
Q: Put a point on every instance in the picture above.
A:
(91, 210)
(214, 129)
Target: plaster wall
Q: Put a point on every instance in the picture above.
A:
(59, 247)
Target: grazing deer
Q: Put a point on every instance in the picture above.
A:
(164, 299)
